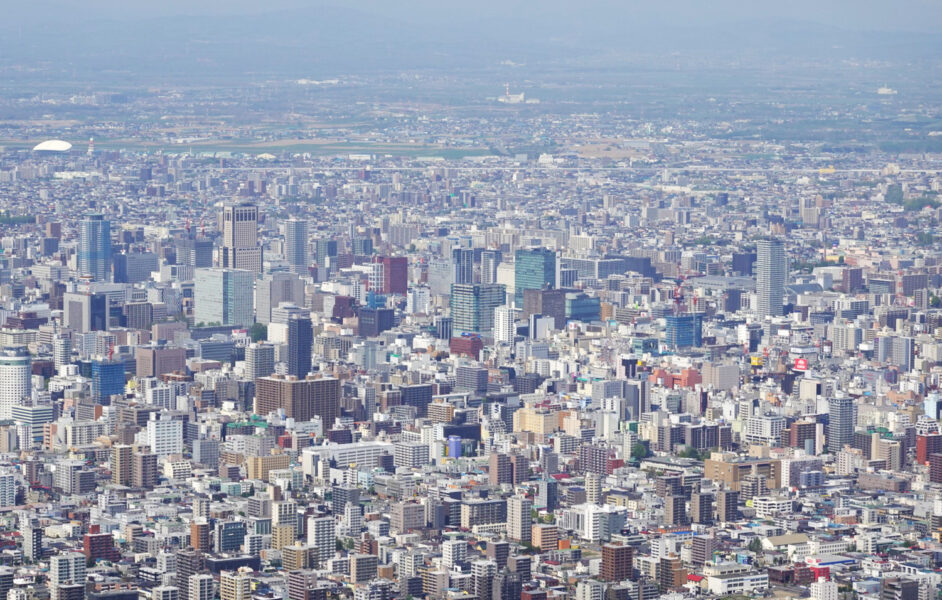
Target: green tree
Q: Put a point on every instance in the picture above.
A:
(639, 451)
(755, 545)
(258, 332)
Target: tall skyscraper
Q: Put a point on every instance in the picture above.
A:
(300, 342)
(15, 377)
(840, 422)
(224, 296)
(240, 249)
(771, 269)
(94, 251)
(534, 269)
(296, 253)
(472, 306)
(462, 260)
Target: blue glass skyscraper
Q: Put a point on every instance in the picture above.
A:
(94, 251)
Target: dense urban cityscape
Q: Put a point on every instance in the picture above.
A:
(435, 335)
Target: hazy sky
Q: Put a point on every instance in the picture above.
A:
(915, 15)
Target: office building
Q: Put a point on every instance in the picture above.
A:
(296, 250)
(301, 399)
(300, 343)
(15, 379)
(841, 420)
(771, 269)
(240, 249)
(94, 249)
(224, 297)
(533, 270)
(472, 307)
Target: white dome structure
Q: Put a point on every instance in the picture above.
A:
(52, 146)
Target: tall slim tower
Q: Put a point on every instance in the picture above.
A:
(462, 260)
(770, 277)
(840, 422)
(94, 251)
(15, 378)
(240, 249)
(296, 254)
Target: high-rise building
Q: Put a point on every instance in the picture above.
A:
(165, 435)
(259, 361)
(322, 536)
(194, 251)
(296, 238)
(519, 527)
(300, 341)
(94, 250)
(771, 269)
(240, 249)
(462, 260)
(616, 562)
(274, 289)
(489, 261)
(68, 567)
(727, 506)
(840, 422)
(472, 307)
(15, 378)
(121, 464)
(108, 379)
(684, 330)
(200, 587)
(144, 470)
(224, 296)
(534, 269)
(505, 324)
(301, 399)
(61, 351)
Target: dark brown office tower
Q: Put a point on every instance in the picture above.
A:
(520, 466)
(701, 508)
(617, 562)
(727, 506)
(863, 441)
(520, 565)
(144, 470)
(549, 303)
(121, 464)
(670, 573)
(303, 585)
(671, 484)
(199, 536)
(499, 469)
(301, 399)
(189, 562)
(935, 468)
(593, 458)
(498, 552)
(800, 432)
(675, 511)
(701, 550)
